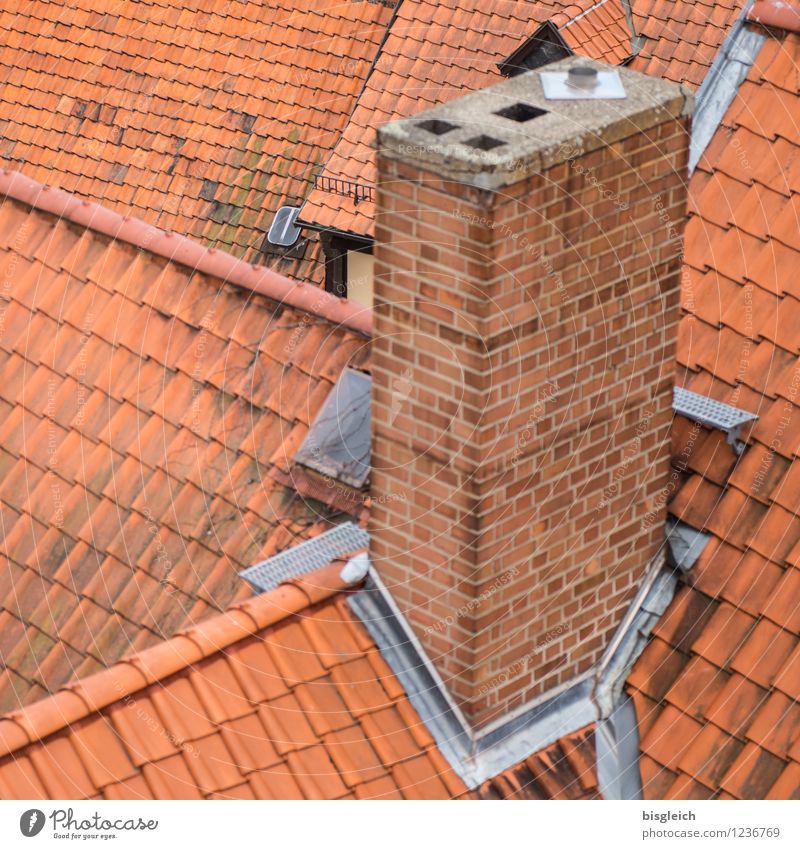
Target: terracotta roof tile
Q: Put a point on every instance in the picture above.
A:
(764, 653)
(739, 333)
(712, 754)
(193, 733)
(697, 687)
(656, 780)
(783, 606)
(788, 785)
(102, 753)
(752, 580)
(726, 633)
(60, 769)
(658, 668)
(736, 705)
(116, 478)
(246, 738)
(218, 169)
(753, 773)
(671, 736)
(777, 725)
(681, 38)
(322, 703)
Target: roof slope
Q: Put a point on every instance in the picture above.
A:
(434, 52)
(681, 37)
(142, 408)
(600, 32)
(200, 118)
(717, 688)
(284, 696)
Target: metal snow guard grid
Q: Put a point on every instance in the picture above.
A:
(707, 411)
(306, 557)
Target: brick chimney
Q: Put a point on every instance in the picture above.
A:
(528, 255)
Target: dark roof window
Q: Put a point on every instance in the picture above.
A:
(545, 46)
(338, 444)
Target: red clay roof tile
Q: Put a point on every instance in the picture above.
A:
(777, 725)
(752, 774)
(764, 653)
(671, 736)
(697, 687)
(685, 35)
(217, 185)
(726, 632)
(712, 754)
(736, 705)
(216, 743)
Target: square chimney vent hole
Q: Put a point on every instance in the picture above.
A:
(437, 126)
(521, 112)
(484, 142)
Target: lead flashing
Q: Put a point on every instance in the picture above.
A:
(488, 150)
(617, 747)
(596, 697)
(731, 65)
(686, 544)
(474, 755)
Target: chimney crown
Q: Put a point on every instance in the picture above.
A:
(476, 141)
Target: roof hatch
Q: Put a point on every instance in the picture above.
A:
(338, 444)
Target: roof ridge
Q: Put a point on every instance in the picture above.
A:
(185, 251)
(779, 14)
(90, 695)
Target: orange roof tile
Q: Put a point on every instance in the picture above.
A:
(681, 39)
(224, 710)
(717, 684)
(133, 430)
(600, 32)
(202, 121)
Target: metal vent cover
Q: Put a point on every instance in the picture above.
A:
(284, 231)
(306, 557)
(563, 85)
(707, 411)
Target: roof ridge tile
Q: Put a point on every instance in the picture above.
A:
(136, 672)
(184, 251)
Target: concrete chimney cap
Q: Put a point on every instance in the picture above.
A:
(501, 134)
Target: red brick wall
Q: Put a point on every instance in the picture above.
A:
(523, 360)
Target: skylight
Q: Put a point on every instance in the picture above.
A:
(338, 444)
